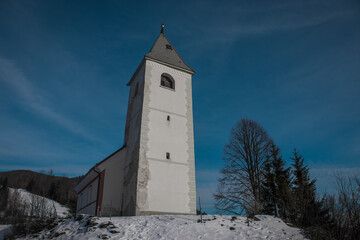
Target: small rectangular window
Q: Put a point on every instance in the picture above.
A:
(168, 117)
(167, 155)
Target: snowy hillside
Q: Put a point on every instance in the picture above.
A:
(27, 198)
(170, 227)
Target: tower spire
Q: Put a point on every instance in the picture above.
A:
(163, 51)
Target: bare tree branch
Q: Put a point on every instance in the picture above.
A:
(245, 156)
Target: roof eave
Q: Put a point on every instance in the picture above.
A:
(191, 71)
(97, 164)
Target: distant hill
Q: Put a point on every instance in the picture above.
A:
(60, 189)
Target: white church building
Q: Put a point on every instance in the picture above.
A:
(154, 171)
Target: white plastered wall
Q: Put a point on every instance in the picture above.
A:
(113, 183)
(166, 183)
(132, 141)
(88, 210)
(87, 198)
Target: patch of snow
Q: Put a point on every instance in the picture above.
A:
(171, 227)
(27, 197)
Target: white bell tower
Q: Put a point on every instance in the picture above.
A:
(159, 174)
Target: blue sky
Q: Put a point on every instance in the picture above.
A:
(293, 66)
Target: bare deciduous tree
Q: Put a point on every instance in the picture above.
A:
(16, 208)
(345, 205)
(28, 214)
(40, 207)
(245, 156)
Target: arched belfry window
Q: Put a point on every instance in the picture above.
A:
(167, 81)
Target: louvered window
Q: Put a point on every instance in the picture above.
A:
(167, 81)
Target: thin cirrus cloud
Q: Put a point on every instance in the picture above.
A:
(29, 144)
(254, 20)
(31, 97)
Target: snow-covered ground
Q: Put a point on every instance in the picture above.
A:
(171, 227)
(27, 197)
(161, 227)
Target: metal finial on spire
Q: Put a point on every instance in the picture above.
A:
(162, 28)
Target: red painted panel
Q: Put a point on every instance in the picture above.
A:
(86, 205)
(88, 184)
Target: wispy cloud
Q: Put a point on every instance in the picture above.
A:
(29, 144)
(230, 21)
(32, 97)
(280, 23)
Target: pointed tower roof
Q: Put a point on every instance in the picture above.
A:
(162, 51)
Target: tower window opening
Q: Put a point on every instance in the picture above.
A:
(168, 117)
(168, 46)
(167, 81)
(167, 155)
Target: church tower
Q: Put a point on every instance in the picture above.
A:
(159, 173)
(154, 171)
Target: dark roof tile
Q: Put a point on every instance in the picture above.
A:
(164, 52)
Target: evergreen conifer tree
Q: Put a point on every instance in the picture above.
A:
(268, 191)
(31, 185)
(276, 186)
(52, 193)
(4, 193)
(302, 188)
(308, 210)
